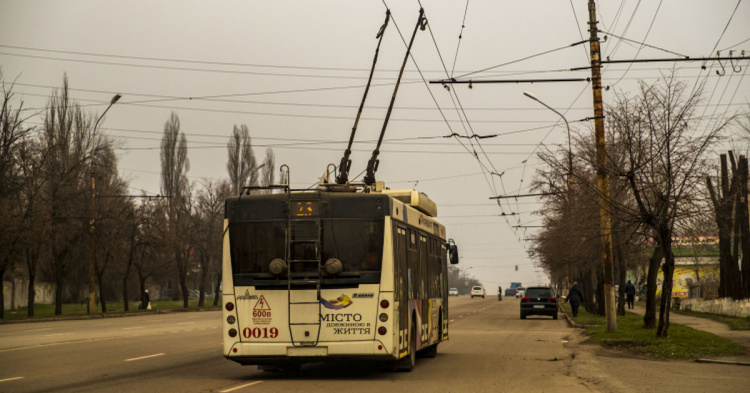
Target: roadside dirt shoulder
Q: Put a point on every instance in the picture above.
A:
(608, 370)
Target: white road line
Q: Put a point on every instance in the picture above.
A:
(55, 344)
(451, 320)
(144, 357)
(57, 334)
(37, 330)
(137, 327)
(186, 323)
(10, 379)
(240, 387)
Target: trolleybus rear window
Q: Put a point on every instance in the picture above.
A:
(357, 243)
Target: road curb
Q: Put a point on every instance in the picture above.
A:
(726, 362)
(101, 316)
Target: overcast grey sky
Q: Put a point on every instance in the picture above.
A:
(294, 72)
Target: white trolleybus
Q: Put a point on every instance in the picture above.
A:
(343, 271)
(311, 276)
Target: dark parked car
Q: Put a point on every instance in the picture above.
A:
(510, 292)
(539, 301)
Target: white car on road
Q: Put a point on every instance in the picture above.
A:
(477, 291)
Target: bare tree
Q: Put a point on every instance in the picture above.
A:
(663, 156)
(242, 163)
(174, 184)
(269, 164)
(208, 222)
(67, 138)
(12, 135)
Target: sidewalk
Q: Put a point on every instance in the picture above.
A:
(739, 337)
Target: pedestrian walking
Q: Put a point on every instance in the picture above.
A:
(575, 297)
(145, 301)
(630, 294)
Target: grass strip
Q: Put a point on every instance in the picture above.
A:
(735, 323)
(682, 343)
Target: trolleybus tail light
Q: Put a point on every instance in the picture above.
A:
(232, 333)
(382, 330)
(524, 299)
(552, 299)
(231, 320)
(383, 317)
(384, 303)
(230, 306)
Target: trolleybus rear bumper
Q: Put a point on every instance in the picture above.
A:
(272, 353)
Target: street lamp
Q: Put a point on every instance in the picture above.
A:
(92, 251)
(570, 151)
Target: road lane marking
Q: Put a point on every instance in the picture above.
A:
(451, 320)
(57, 334)
(137, 327)
(186, 323)
(240, 387)
(37, 330)
(54, 344)
(10, 379)
(144, 357)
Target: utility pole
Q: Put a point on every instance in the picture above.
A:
(605, 221)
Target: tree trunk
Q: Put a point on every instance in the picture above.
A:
(216, 291)
(744, 220)
(31, 294)
(621, 277)
(723, 202)
(126, 276)
(102, 301)
(205, 264)
(666, 288)
(601, 306)
(2, 293)
(649, 318)
(181, 262)
(59, 281)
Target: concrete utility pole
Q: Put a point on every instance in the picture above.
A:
(92, 227)
(605, 221)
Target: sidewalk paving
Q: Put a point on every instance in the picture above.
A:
(739, 337)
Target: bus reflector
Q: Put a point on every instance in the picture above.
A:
(234, 350)
(382, 330)
(230, 306)
(384, 303)
(232, 333)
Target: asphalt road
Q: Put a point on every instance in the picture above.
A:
(490, 350)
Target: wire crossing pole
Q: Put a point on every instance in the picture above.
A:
(605, 221)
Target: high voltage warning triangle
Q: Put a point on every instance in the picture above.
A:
(261, 304)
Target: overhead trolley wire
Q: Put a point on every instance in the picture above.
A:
(656, 13)
(460, 36)
(580, 33)
(522, 59)
(453, 93)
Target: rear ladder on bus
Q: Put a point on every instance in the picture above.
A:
(305, 271)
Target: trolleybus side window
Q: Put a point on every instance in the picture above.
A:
(401, 275)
